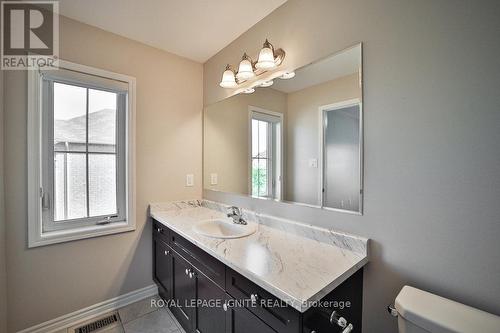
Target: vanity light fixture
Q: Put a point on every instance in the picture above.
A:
(228, 78)
(245, 70)
(249, 90)
(268, 59)
(288, 75)
(266, 84)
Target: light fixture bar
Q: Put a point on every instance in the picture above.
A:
(269, 58)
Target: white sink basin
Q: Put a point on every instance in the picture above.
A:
(224, 228)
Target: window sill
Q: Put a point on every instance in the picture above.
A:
(61, 236)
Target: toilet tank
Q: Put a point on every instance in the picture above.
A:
(422, 312)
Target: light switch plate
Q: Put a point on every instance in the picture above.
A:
(313, 163)
(213, 179)
(190, 179)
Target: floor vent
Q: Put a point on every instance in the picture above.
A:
(98, 324)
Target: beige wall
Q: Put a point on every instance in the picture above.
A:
(50, 281)
(431, 134)
(303, 134)
(3, 273)
(226, 137)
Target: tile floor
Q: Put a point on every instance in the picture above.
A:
(141, 317)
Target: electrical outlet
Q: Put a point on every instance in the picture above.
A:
(213, 179)
(190, 179)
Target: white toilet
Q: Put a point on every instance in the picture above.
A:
(421, 312)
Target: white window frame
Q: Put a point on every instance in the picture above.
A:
(37, 235)
(275, 186)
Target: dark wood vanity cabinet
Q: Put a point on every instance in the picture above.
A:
(183, 291)
(242, 320)
(162, 268)
(281, 319)
(209, 318)
(207, 297)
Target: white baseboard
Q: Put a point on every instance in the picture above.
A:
(95, 310)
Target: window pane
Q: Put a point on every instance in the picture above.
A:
(102, 121)
(255, 177)
(102, 184)
(70, 186)
(59, 185)
(70, 107)
(77, 197)
(263, 178)
(255, 137)
(263, 128)
(259, 177)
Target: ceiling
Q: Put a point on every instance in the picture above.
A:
(195, 29)
(340, 64)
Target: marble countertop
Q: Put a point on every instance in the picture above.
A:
(297, 263)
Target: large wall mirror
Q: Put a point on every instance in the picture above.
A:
(299, 140)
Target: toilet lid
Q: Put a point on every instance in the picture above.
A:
(440, 315)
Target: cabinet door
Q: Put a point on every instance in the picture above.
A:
(163, 268)
(210, 316)
(183, 292)
(241, 320)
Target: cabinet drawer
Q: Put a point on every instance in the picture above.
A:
(282, 319)
(241, 320)
(205, 263)
(160, 231)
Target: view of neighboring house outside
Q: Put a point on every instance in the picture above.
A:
(84, 153)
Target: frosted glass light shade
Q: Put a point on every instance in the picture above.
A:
(245, 70)
(228, 79)
(266, 59)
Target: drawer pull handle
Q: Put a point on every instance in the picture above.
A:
(348, 329)
(335, 318)
(190, 273)
(160, 230)
(167, 252)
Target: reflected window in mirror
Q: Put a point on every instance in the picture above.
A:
(266, 148)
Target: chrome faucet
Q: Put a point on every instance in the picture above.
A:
(236, 213)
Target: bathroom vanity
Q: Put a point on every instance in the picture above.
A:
(284, 277)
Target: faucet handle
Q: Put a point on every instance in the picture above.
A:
(233, 210)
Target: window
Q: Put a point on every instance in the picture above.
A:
(80, 155)
(265, 159)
